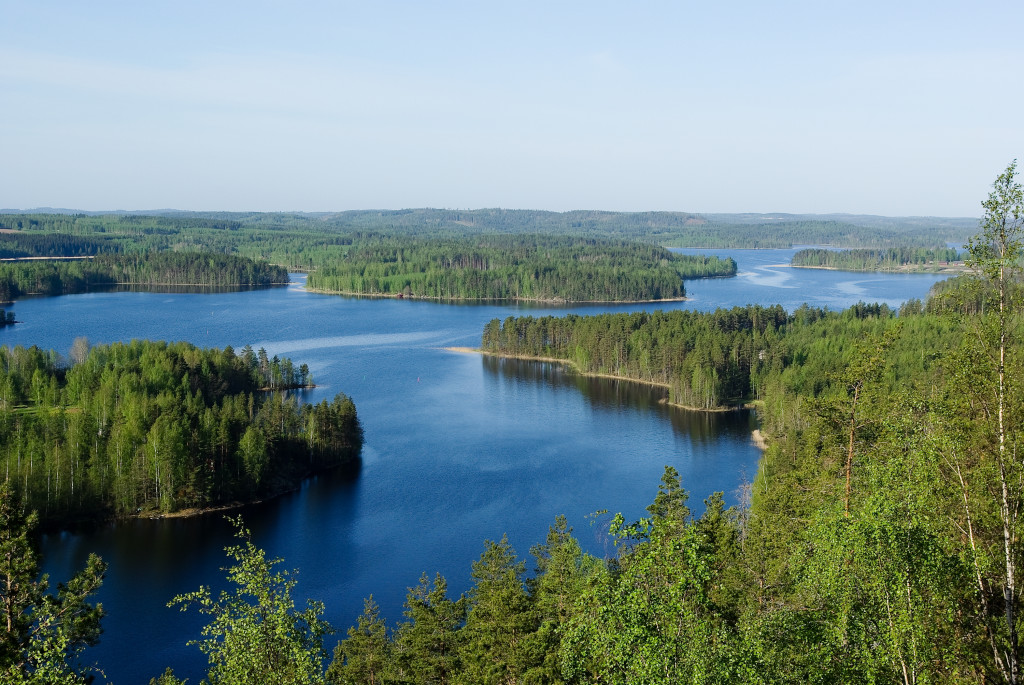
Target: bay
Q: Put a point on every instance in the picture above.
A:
(459, 448)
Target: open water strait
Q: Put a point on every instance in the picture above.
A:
(459, 448)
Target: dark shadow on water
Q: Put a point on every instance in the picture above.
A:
(177, 555)
(603, 393)
(334, 483)
(700, 427)
(158, 289)
(186, 289)
(706, 428)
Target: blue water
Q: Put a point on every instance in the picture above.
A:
(459, 448)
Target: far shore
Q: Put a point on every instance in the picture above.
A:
(537, 300)
(954, 268)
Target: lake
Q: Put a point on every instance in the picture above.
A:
(459, 448)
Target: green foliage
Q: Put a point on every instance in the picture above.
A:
(152, 425)
(167, 678)
(43, 635)
(530, 267)
(892, 259)
(149, 269)
(562, 575)
(878, 542)
(998, 246)
(501, 619)
(365, 654)
(428, 645)
(707, 360)
(256, 634)
(788, 230)
(652, 617)
(307, 241)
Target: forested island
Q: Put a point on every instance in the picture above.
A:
(892, 259)
(530, 267)
(155, 427)
(151, 269)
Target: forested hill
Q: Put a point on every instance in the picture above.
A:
(529, 267)
(156, 426)
(680, 229)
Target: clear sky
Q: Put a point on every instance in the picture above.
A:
(896, 108)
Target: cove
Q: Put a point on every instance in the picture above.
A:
(459, 448)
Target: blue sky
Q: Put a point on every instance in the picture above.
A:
(897, 108)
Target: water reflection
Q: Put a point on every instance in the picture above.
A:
(700, 428)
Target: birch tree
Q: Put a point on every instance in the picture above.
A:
(995, 254)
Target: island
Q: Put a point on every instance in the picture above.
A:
(520, 268)
(157, 428)
(902, 259)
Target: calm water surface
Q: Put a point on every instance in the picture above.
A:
(459, 448)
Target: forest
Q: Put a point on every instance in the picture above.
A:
(311, 236)
(579, 256)
(528, 267)
(159, 250)
(878, 542)
(892, 259)
(144, 426)
(706, 360)
(148, 269)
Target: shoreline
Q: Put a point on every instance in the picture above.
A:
(950, 269)
(195, 512)
(609, 376)
(756, 436)
(192, 512)
(555, 301)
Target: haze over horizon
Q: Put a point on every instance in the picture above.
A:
(261, 106)
(162, 210)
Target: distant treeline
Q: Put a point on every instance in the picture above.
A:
(153, 268)
(21, 245)
(300, 240)
(680, 229)
(889, 259)
(157, 426)
(530, 267)
(787, 234)
(415, 245)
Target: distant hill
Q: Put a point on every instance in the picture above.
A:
(676, 229)
(869, 220)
